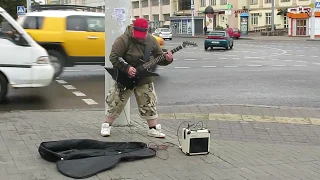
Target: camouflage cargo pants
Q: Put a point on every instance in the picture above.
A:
(145, 96)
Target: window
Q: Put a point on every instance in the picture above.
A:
(213, 2)
(268, 18)
(165, 2)
(223, 2)
(135, 5)
(253, 2)
(144, 3)
(166, 17)
(285, 22)
(33, 22)
(156, 17)
(154, 2)
(285, 0)
(81, 23)
(202, 3)
(267, 1)
(254, 18)
(146, 17)
(96, 24)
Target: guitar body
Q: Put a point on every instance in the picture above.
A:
(143, 70)
(126, 81)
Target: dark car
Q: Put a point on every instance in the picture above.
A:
(218, 39)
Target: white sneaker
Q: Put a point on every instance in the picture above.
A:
(156, 132)
(105, 129)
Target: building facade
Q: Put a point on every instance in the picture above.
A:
(158, 12)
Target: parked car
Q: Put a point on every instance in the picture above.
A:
(70, 37)
(164, 33)
(23, 62)
(233, 32)
(218, 39)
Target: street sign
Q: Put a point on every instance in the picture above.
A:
(229, 6)
(228, 12)
(192, 7)
(317, 5)
(21, 10)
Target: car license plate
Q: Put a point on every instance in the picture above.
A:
(215, 42)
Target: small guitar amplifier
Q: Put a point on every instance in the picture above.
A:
(195, 142)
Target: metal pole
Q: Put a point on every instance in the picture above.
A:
(313, 20)
(117, 18)
(192, 17)
(28, 6)
(272, 16)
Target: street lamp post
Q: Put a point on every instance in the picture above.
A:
(117, 18)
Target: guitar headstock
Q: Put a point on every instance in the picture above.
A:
(187, 43)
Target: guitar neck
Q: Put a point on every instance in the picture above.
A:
(158, 59)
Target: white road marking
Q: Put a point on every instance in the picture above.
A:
(78, 93)
(190, 59)
(72, 70)
(254, 65)
(287, 60)
(175, 59)
(229, 55)
(301, 61)
(208, 66)
(69, 87)
(315, 56)
(97, 70)
(89, 101)
(316, 63)
(300, 65)
(181, 67)
(301, 55)
(230, 66)
(222, 58)
(235, 58)
(279, 65)
(61, 81)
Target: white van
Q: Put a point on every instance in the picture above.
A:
(23, 63)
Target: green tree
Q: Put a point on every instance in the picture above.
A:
(11, 6)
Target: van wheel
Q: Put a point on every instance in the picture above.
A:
(57, 61)
(3, 88)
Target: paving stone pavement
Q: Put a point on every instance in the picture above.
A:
(240, 150)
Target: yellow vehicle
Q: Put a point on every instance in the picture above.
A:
(70, 37)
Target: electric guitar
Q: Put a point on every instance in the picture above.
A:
(142, 71)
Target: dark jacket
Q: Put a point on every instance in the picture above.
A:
(132, 52)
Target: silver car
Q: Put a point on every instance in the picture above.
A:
(164, 33)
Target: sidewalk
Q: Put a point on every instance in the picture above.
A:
(258, 37)
(247, 142)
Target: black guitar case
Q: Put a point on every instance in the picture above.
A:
(83, 158)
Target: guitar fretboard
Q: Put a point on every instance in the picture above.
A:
(160, 58)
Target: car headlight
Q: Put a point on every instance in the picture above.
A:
(43, 60)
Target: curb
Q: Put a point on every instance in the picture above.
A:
(235, 118)
(166, 106)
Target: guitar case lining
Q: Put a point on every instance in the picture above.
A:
(83, 158)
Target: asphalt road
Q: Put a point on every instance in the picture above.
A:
(254, 72)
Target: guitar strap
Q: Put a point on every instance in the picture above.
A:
(147, 50)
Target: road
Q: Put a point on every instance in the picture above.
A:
(271, 73)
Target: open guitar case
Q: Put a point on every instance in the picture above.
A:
(83, 158)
